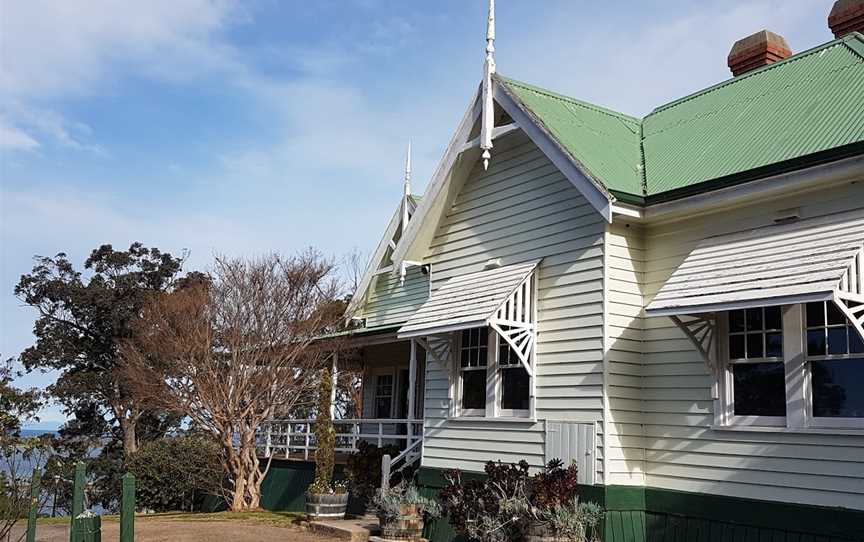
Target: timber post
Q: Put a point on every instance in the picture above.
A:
(385, 472)
(127, 509)
(34, 506)
(77, 497)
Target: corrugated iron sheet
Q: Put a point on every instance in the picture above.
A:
(603, 141)
(809, 103)
(467, 300)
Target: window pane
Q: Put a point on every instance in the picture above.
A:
(481, 355)
(515, 384)
(856, 345)
(382, 407)
(835, 315)
(837, 340)
(815, 314)
(773, 318)
(736, 321)
(754, 320)
(736, 347)
(754, 345)
(464, 354)
(816, 342)
(474, 390)
(774, 345)
(759, 389)
(838, 388)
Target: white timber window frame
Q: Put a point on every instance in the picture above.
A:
(493, 367)
(852, 352)
(749, 355)
(378, 392)
(798, 370)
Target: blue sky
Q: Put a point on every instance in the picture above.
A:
(241, 128)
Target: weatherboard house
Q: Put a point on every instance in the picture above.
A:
(674, 302)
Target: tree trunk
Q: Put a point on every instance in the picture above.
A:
(243, 470)
(128, 425)
(130, 438)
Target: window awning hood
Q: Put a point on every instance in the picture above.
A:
(807, 260)
(474, 300)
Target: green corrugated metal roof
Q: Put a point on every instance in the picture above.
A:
(606, 143)
(807, 104)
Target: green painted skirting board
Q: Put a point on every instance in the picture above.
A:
(637, 514)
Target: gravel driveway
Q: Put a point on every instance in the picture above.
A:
(178, 530)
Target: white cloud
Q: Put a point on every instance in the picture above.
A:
(636, 64)
(56, 50)
(13, 138)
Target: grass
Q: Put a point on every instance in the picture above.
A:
(264, 516)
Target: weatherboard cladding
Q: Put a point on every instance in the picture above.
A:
(682, 448)
(468, 300)
(807, 104)
(804, 258)
(391, 302)
(523, 210)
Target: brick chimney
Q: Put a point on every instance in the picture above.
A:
(846, 16)
(757, 50)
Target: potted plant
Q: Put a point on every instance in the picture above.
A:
(572, 521)
(325, 499)
(402, 511)
(363, 471)
(552, 510)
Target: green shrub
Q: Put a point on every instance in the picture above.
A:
(363, 469)
(176, 473)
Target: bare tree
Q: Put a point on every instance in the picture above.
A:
(232, 351)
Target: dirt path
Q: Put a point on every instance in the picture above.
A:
(176, 530)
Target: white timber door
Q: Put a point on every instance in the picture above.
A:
(573, 443)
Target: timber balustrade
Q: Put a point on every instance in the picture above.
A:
(295, 439)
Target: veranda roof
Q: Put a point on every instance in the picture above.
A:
(806, 260)
(467, 301)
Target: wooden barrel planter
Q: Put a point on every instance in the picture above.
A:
(326, 506)
(408, 526)
(540, 532)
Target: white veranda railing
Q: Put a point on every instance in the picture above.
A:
(295, 439)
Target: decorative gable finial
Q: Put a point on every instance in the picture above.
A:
(408, 170)
(487, 122)
(406, 194)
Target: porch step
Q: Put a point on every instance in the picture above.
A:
(353, 529)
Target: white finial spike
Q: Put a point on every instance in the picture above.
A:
(408, 170)
(487, 122)
(406, 194)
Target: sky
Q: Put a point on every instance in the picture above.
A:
(216, 126)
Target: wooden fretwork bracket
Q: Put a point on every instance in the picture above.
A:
(701, 329)
(852, 305)
(520, 337)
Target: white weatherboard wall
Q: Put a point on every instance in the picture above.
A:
(681, 450)
(625, 272)
(524, 209)
(390, 302)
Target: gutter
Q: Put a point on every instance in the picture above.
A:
(816, 176)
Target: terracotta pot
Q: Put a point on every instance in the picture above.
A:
(326, 505)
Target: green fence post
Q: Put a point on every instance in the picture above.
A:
(87, 528)
(34, 506)
(77, 497)
(127, 509)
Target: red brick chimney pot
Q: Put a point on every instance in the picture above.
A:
(757, 50)
(846, 16)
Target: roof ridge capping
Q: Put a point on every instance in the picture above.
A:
(857, 48)
(564, 97)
